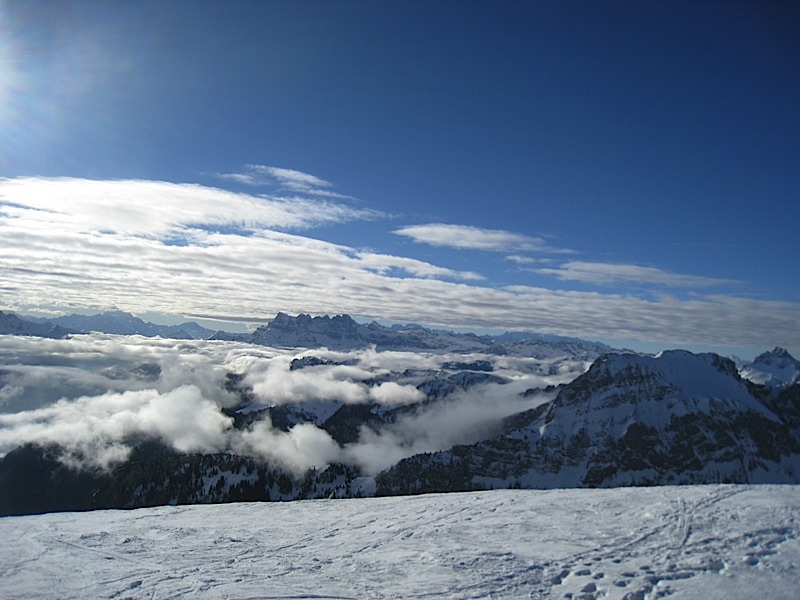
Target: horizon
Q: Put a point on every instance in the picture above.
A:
(743, 353)
(622, 173)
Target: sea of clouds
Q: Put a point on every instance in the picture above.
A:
(96, 395)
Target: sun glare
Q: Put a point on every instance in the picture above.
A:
(10, 81)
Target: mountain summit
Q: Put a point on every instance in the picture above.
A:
(775, 368)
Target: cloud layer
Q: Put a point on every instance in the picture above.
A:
(609, 274)
(96, 395)
(186, 249)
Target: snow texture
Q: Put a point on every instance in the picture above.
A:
(629, 543)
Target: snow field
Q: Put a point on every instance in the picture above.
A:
(629, 543)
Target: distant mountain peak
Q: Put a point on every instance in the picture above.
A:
(776, 353)
(775, 368)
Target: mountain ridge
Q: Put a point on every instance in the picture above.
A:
(342, 332)
(116, 322)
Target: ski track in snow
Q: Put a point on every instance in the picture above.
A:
(632, 543)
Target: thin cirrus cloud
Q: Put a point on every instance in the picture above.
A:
(466, 237)
(613, 274)
(289, 180)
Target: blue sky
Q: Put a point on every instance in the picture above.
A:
(618, 171)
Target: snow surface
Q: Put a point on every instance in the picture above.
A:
(694, 541)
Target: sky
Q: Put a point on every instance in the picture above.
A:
(625, 172)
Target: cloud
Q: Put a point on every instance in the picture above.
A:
(521, 260)
(386, 265)
(284, 179)
(98, 428)
(180, 403)
(304, 446)
(465, 237)
(137, 246)
(391, 392)
(465, 418)
(611, 273)
(155, 209)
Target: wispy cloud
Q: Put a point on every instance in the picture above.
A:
(289, 180)
(465, 237)
(154, 208)
(387, 265)
(613, 273)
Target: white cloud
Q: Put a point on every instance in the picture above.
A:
(391, 392)
(292, 179)
(155, 208)
(96, 428)
(304, 446)
(612, 273)
(184, 411)
(109, 244)
(465, 237)
(465, 418)
(521, 260)
(284, 179)
(384, 264)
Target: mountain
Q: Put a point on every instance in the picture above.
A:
(775, 368)
(122, 323)
(725, 541)
(11, 324)
(341, 332)
(677, 418)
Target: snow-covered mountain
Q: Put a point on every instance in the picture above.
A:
(123, 323)
(677, 418)
(775, 368)
(341, 332)
(11, 324)
(730, 541)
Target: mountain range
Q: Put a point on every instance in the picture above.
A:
(674, 418)
(342, 332)
(11, 324)
(120, 323)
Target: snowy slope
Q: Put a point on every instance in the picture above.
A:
(710, 542)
